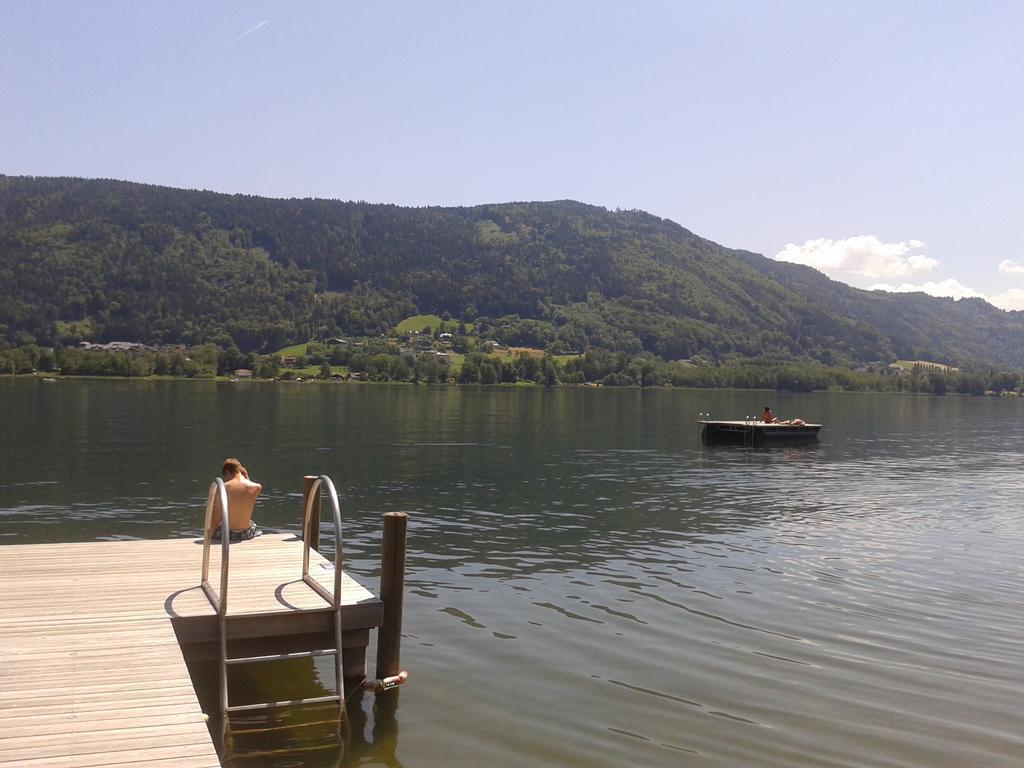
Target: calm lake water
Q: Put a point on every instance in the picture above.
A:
(587, 584)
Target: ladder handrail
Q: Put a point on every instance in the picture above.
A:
(219, 601)
(335, 599)
(332, 495)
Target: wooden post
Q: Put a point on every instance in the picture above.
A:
(392, 587)
(314, 524)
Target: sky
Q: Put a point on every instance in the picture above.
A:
(880, 142)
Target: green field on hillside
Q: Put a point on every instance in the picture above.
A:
(419, 322)
(294, 350)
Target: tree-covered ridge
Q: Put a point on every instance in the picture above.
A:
(103, 260)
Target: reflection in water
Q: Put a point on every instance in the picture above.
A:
(313, 737)
(310, 736)
(589, 585)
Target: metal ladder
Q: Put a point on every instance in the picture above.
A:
(219, 601)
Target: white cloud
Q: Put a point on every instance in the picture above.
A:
(863, 256)
(1010, 267)
(949, 287)
(867, 261)
(1008, 300)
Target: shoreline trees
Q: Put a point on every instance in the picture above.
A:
(383, 362)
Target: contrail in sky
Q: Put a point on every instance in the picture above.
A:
(247, 33)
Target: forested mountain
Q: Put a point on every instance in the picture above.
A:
(101, 260)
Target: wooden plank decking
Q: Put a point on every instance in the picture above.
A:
(91, 672)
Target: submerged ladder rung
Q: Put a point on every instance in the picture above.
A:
(288, 726)
(263, 754)
(290, 703)
(281, 656)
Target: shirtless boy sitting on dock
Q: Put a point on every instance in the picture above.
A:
(242, 493)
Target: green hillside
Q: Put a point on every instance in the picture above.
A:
(103, 260)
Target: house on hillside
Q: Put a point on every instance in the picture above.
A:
(115, 346)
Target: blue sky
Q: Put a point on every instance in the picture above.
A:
(882, 142)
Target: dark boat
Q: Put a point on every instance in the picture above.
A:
(759, 433)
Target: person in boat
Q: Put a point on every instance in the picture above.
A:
(769, 418)
(242, 493)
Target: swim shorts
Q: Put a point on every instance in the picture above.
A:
(243, 534)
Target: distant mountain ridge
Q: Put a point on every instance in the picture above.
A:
(101, 260)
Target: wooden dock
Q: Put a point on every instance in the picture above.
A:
(93, 672)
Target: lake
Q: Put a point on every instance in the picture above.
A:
(587, 584)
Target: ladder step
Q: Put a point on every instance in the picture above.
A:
(279, 656)
(288, 726)
(263, 754)
(292, 703)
